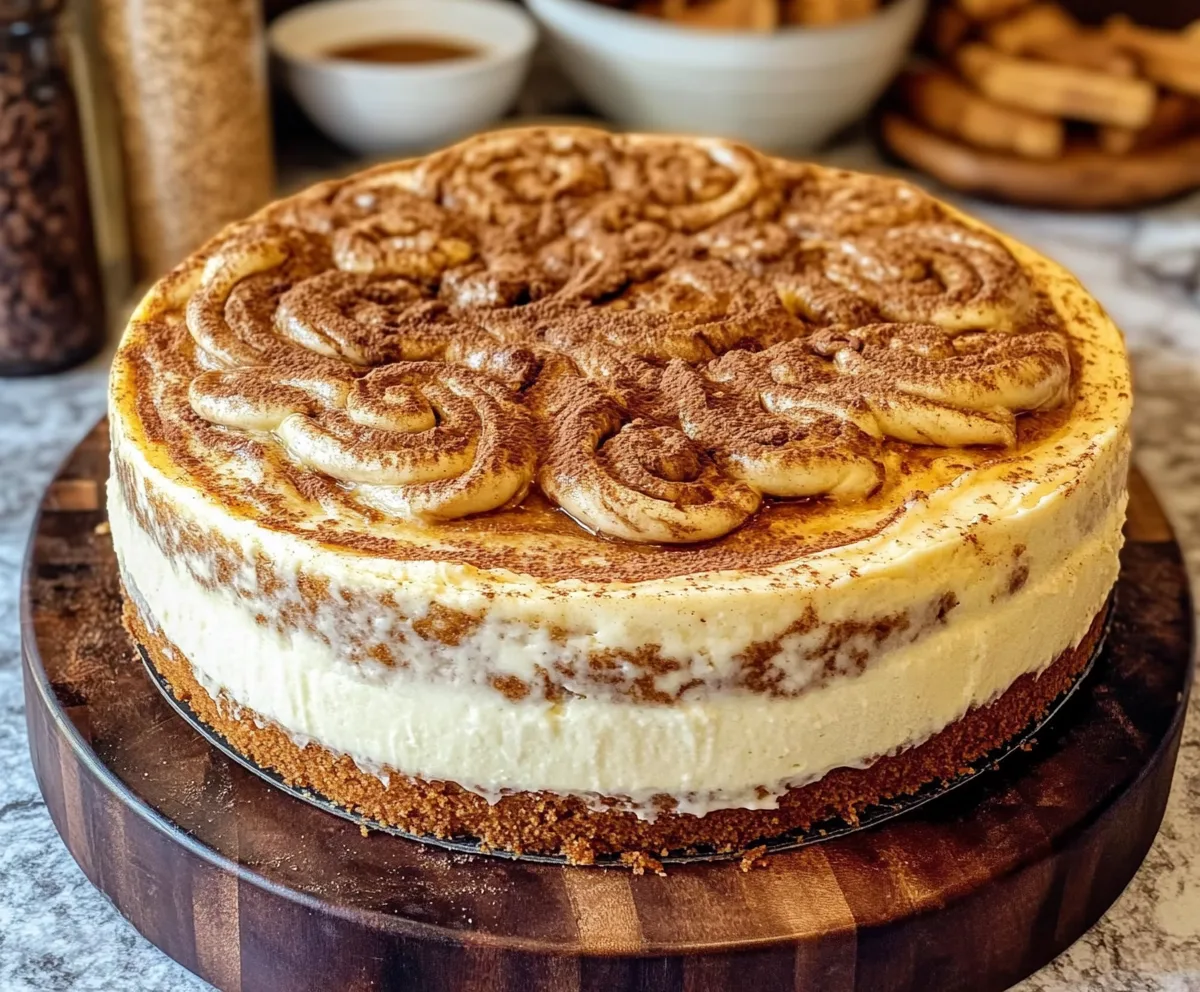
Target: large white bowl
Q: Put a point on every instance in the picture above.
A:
(373, 107)
(787, 91)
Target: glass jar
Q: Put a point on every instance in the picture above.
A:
(52, 311)
(189, 78)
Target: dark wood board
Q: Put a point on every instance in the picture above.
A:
(256, 890)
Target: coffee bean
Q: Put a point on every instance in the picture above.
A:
(51, 307)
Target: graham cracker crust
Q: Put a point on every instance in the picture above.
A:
(545, 823)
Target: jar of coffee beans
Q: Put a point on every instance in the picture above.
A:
(51, 307)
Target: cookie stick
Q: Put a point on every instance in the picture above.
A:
(1057, 90)
(1039, 22)
(753, 15)
(763, 15)
(1170, 58)
(939, 100)
(1174, 74)
(1086, 48)
(1047, 31)
(827, 11)
(989, 10)
(1174, 114)
(1151, 43)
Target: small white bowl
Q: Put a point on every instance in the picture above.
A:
(789, 90)
(385, 107)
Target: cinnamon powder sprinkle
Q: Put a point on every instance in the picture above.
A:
(574, 354)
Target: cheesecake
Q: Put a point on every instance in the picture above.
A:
(587, 494)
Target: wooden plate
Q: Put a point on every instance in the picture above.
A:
(254, 889)
(1083, 179)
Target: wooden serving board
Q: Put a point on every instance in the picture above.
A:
(1083, 179)
(256, 890)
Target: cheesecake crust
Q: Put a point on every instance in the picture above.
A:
(546, 823)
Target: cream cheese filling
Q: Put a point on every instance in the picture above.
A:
(737, 749)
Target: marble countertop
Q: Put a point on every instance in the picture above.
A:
(58, 933)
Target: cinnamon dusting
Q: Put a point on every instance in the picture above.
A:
(662, 336)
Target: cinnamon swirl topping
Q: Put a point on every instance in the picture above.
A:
(420, 438)
(659, 334)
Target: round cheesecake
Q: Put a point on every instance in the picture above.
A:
(586, 493)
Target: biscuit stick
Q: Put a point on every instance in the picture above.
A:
(1174, 74)
(1173, 115)
(1036, 24)
(989, 10)
(939, 100)
(1048, 32)
(1170, 58)
(1057, 90)
(753, 15)
(763, 15)
(1086, 48)
(827, 11)
(1150, 43)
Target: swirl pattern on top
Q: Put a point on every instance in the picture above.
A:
(419, 438)
(659, 334)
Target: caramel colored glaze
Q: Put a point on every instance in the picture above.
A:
(402, 51)
(544, 823)
(706, 352)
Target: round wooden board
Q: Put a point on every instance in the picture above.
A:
(1083, 179)
(253, 889)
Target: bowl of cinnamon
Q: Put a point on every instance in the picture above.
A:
(781, 74)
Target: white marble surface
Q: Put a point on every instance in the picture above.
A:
(58, 933)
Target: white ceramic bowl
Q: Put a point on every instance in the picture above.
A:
(786, 91)
(386, 107)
